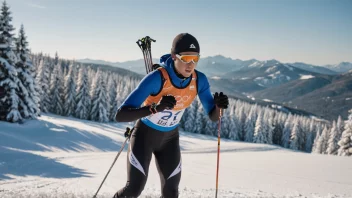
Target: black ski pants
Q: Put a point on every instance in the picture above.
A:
(144, 142)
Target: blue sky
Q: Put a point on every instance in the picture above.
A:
(311, 31)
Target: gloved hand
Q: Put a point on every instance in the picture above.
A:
(221, 100)
(166, 102)
(128, 132)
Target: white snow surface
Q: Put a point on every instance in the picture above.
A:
(57, 156)
(304, 77)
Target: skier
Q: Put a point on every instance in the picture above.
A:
(158, 104)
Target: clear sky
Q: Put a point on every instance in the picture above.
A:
(311, 31)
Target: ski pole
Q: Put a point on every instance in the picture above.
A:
(128, 132)
(217, 169)
(145, 45)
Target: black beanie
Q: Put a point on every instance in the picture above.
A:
(185, 42)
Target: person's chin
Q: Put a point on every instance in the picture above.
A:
(187, 73)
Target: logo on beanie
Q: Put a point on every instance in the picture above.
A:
(192, 46)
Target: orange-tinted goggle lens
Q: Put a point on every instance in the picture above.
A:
(189, 58)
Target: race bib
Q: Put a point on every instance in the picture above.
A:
(166, 118)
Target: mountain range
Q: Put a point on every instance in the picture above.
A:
(325, 90)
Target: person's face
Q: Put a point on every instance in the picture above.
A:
(184, 64)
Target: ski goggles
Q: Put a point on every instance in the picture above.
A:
(188, 58)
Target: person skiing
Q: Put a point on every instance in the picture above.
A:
(158, 103)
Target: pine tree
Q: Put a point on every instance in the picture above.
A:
(317, 145)
(184, 119)
(233, 123)
(296, 135)
(260, 129)
(339, 127)
(345, 142)
(116, 105)
(8, 74)
(286, 134)
(321, 144)
(99, 99)
(200, 120)
(250, 124)
(56, 91)
(83, 97)
(112, 97)
(43, 83)
(310, 137)
(239, 113)
(269, 120)
(225, 124)
(30, 97)
(332, 142)
(70, 92)
(191, 117)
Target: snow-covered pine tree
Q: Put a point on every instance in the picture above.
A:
(111, 88)
(70, 92)
(296, 135)
(43, 85)
(184, 119)
(310, 136)
(233, 122)
(340, 127)
(201, 119)
(116, 105)
(83, 100)
(241, 120)
(8, 75)
(321, 145)
(56, 91)
(25, 74)
(268, 120)
(345, 142)
(56, 59)
(250, 124)
(191, 117)
(317, 145)
(279, 124)
(99, 99)
(260, 129)
(332, 141)
(286, 134)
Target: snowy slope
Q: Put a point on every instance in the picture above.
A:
(66, 157)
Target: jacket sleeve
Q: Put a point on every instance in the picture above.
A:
(131, 109)
(206, 97)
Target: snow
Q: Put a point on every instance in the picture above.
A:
(256, 64)
(216, 77)
(267, 100)
(38, 161)
(245, 78)
(304, 77)
(348, 98)
(271, 69)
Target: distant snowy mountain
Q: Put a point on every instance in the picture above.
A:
(220, 65)
(99, 62)
(269, 73)
(137, 66)
(341, 67)
(314, 68)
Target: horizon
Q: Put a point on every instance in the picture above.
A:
(311, 32)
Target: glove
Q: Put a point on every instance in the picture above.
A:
(166, 102)
(221, 100)
(128, 132)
